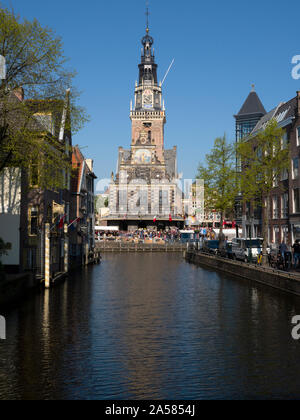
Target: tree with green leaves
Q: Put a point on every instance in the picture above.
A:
(264, 159)
(219, 175)
(31, 129)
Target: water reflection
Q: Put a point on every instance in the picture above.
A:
(151, 327)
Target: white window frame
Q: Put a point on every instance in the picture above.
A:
(276, 231)
(284, 208)
(275, 207)
(293, 168)
(275, 180)
(294, 206)
(298, 136)
(284, 233)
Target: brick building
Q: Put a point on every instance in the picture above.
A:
(251, 112)
(26, 208)
(82, 232)
(285, 197)
(41, 206)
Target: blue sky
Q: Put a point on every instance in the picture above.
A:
(220, 49)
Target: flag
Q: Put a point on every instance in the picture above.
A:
(73, 224)
(154, 220)
(61, 221)
(170, 218)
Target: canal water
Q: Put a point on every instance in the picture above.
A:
(151, 326)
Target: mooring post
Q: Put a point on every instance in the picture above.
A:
(47, 255)
(66, 249)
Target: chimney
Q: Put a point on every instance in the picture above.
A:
(89, 163)
(19, 93)
(298, 103)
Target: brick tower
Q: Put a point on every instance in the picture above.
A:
(148, 115)
(145, 186)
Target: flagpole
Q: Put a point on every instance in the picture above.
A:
(54, 222)
(74, 221)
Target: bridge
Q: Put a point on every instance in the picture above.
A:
(112, 246)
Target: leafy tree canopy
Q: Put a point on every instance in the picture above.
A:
(33, 130)
(219, 175)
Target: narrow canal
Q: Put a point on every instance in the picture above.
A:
(145, 326)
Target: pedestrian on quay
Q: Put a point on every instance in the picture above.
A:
(259, 258)
(296, 248)
(288, 257)
(283, 249)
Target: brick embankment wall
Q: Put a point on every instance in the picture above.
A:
(277, 279)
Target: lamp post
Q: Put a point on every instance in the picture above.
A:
(238, 212)
(250, 241)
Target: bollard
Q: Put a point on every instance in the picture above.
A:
(66, 249)
(47, 255)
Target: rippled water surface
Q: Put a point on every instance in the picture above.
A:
(144, 326)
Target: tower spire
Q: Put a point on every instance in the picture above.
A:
(147, 16)
(148, 68)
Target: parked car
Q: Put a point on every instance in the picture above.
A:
(187, 236)
(212, 247)
(243, 248)
(226, 252)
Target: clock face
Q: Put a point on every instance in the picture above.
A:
(142, 157)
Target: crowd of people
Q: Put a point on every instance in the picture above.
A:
(288, 256)
(143, 235)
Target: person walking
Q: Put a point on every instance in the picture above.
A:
(296, 248)
(288, 257)
(283, 249)
(259, 258)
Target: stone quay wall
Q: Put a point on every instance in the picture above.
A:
(287, 282)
